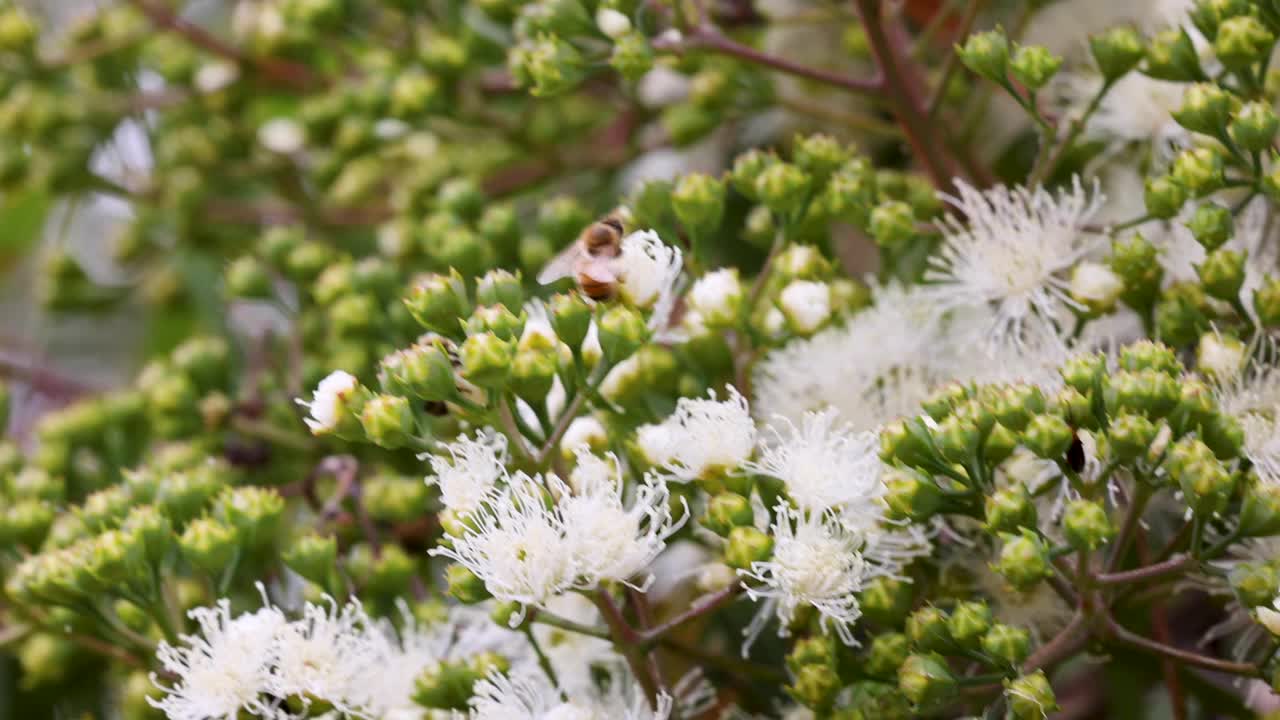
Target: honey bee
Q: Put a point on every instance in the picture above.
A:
(590, 260)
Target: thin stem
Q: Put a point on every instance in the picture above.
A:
(1064, 644)
(952, 63)
(272, 434)
(1127, 529)
(553, 620)
(1171, 566)
(569, 413)
(1138, 642)
(708, 38)
(625, 639)
(543, 661)
(900, 90)
(703, 605)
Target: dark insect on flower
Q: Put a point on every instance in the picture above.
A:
(435, 408)
(1075, 453)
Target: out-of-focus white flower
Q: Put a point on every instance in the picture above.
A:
(824, 464)
(703, 436)
(224, 669)
(470, 471)
(662, 86)
(1219, 357)
(1010, 250)
(1137, 109)
(583, 431)
(612, 23)
(1095, 285)
(1252, 396)
(621, 376)
(516, 543)
(1270, 618)
(717, 297)
(329, 402)
(609, 540)
(805, 304)
(282, 135)
(216, 75)
(648, 270)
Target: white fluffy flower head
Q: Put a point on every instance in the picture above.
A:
(328, 403)
(1012, 250)
(648, 270)
(716, 297)
(472, 468)
(703, 436)
(824, 464)
(806, 304)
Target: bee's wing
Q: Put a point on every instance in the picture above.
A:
(560, 266)
(602, 270)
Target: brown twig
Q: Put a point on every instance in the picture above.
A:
(1126, 637)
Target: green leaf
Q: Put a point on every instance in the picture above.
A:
(22, 218)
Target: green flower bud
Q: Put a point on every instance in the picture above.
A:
(632, 56)
(687, 123)
(1260, 510)
(501, 287)
(461, 197)
(885, 600)
(533, 370)
(1150, 355)
(928, 630)
(1172, 56)
(1024, 560)
(486, 359)
(246, 277)
(437, 301)
(209, 545)
(1131, 435)
(1008, 644)
(944, 400)
(1212, 225)
(926, 680)
(815, 650)
(814, 686)
(152, 529)
(783, 188)
(27, 522)
(1199, 170)
(395, 499)
(1254, 127)
(698, 202)
(1224, 435)
(1034, 66)
(1009, 509)
(910, 496)
(1000, 444)
(496, 319)
(334, 283)
(1242, 41)
(1030, 697)
(970, 622)
(1181, 314)
(1082, 372)
(747, 168)
(1254, 583)
(892, 224)
(500, 227)
(549, 66)
(313, 557)
(819, 155)
(1271, 181)
(423, 370)
(987, 54)
(570, 318)
(413, 94)
(726, 511)
(622, 332)
(747, 545)
(1206, 485)
(254, 511)
(1222, 273)
(464, 586)
(1116, 51)
(1164, 197)
(387, 421)
(1206, 108)
(1266, 301)
(1048, 436)
(445, 686)
(887, 653)
(1086, 525)
(1149, 392)
(866, 700)
(392, 571)
(18, 31)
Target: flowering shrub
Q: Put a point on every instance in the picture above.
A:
(648, 360)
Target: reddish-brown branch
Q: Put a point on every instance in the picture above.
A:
(703, 605)
(284, 72)
(1125, 637)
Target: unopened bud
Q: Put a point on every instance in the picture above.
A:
(1034, 66)
(928, 630)
(987, 54)
(747, 545)
(1200, 170)
(1172, 56)
(1222, 273)
(1008, 644)
(1116, 51)
(1009, 509)
(387, 421)
(1164, 196)
(1024, 560)
(926, 680)
(1030, 697)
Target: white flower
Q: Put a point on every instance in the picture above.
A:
(805, 304)
(1095, 284)
(224, 669)
(716, 297)
(612, 23)
(583, 431)
(1137, 109)
(1270, 618)
(329, 402)
(622, 377)
(1012, 252)
(1252, 396)
(702, 436)
(214, 76)
(609, 540)
(516, 544)
(816, 562)
(1219, 357)
(576, 658)
(824, 464)
(470, 471)
(648, 270)
(282, 135)
(529, 696)
(327, 654)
